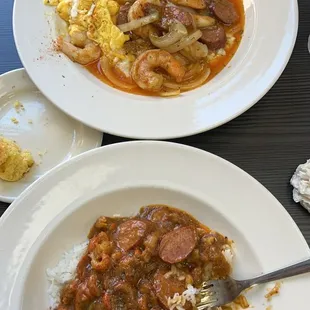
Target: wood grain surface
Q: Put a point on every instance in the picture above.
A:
(268, 141)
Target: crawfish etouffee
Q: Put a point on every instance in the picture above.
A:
(151, 47)
(154, 260)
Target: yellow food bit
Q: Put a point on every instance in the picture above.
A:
(51, 2)
(113, 7)
(242, 302)
(103, 31)
(14, 162)
(18, 106)
(64, 9)
(30, 121)
(41, 154)
(85, 4)
(14, 120)
(274, 291)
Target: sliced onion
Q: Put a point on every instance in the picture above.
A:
(108, 72)
(190, 39)
(176, 32)
(170, 93)
(203, 21)
(192, 84)
(235, 29)
(137, 23)
(197, 50)
(181, 59)
(193, 69)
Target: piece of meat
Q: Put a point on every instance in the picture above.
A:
(122, 17)
(68, 292)
(166, 287)
(124, 296)
(214, 37)
(86, 292)
(176, 245)
(130, 233)
(211, 252)
(225, 11)
(174, 13)
(81, 269)
(137, 47)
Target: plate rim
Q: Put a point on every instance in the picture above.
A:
(118, 131)
(20, 73)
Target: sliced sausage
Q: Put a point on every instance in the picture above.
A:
(122, 17)
(173, 13)
(214, 37)
(166, 287)
(176, 245)
(130, 233)
(225, 11)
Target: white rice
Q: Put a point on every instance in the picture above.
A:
(178, 301)
(64, 271)
(229, 254)
(75, 8)
(91, 10)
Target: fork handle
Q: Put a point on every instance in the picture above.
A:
(290, 271)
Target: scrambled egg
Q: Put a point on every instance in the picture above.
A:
(14, 162)
(95, 17)
(103, 31)
(64, 10)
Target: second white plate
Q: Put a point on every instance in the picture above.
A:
(50, 135)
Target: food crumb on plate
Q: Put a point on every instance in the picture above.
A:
(42, 153)
(242, 302)
(51, 2)
(269, 307)
(30, 121)
(274, 291)
(14, 120)
(18, 106)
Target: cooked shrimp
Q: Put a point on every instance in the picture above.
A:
(99, 247)
(195, 4)
(100, 262)
(136, 11)
(77, 37)
(82, 55)
(143, 73)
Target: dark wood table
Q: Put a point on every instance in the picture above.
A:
(268, 141)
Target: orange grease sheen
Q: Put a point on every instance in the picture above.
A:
(216, 65)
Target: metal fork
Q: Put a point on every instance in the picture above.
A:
(217, 293)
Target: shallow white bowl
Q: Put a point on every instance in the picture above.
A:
(58, 210)
(269, 37)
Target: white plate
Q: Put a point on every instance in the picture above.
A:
(269, 37)
(50, 135)
(57, 211)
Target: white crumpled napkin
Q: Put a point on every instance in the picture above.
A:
(301, 183)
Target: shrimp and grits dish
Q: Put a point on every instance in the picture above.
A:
(155, 260)
(151, 47)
